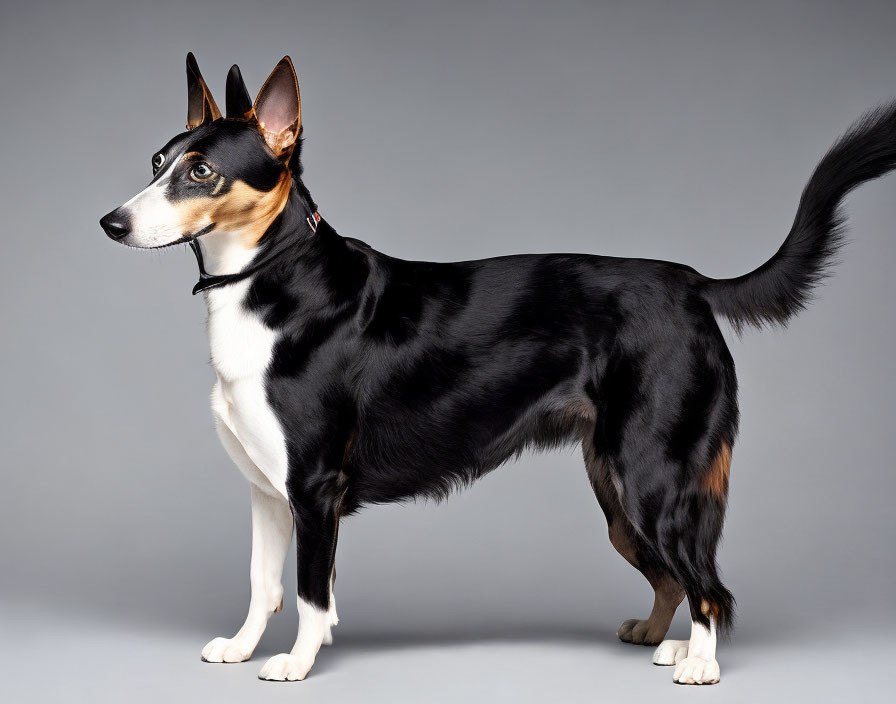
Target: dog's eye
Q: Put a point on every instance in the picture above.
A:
(201, 172)
(157, 162)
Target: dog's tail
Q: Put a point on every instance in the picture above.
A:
(782, 287)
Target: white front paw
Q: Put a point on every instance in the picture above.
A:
(226, 650)
(696, 670)
(670, 652)
(286, 668)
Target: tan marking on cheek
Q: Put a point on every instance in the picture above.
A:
(193, 214)
(715, 481)
(242, 209)
(250, 211)
(218, 186)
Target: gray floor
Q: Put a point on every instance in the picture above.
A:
(48, 656)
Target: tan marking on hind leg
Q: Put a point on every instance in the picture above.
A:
(715, 481)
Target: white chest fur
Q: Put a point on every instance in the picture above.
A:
(241, 348)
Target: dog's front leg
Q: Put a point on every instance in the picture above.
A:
(316, 513)
(272, 524)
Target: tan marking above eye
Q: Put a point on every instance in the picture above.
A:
(194, 159)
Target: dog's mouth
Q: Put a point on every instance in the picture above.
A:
(183, 239)
(186, 239)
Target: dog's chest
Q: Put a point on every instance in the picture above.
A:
(241, 347)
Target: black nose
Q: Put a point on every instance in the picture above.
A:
(116, 224)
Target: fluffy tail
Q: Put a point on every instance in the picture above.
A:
(781, 288)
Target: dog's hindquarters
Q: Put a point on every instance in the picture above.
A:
(666, 420)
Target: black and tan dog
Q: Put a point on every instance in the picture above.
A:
(347, 377)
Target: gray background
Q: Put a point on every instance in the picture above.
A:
(441, 131)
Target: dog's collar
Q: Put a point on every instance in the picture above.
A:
(207, 281)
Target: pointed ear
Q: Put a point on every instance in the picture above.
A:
(278, 109)
(238, 102)
(201, 108)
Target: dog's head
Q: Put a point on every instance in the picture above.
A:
(223, 175)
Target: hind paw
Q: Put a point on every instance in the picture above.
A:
(639, 632)
(696, 670)
(670, 652)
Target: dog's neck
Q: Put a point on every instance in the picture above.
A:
(224, 253)
(223, 257)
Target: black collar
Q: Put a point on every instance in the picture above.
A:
(207, 281)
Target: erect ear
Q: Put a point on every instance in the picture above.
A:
(201, 108)
(278, 109)
(238, 102)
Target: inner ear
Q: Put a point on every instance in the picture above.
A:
(201, 107)
(278, 109)
(238, 102)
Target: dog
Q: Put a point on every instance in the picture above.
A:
(347, 377)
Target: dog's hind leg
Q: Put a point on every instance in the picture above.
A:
(667, 592)
(666, 422)
(687, 530)
(684, 521)
(693, 533)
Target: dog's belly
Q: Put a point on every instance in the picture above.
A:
(241, 347)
